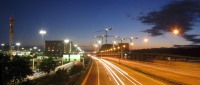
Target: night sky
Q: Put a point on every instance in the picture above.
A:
(77, 20)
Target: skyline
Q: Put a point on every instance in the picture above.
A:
(78, 20)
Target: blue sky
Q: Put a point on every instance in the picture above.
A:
(78, 19)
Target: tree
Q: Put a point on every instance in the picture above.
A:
(61, 77)
(5, 69)
(47, 65)
(15, 70)
(20, 68)
(76, 69)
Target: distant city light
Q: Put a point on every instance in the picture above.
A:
(35, 48)
(95, 45)
(75, 45)
(124, 46)
(131, 43)
(99, 41)
(114, 42)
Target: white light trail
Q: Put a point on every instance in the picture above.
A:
(122, 72)
(112, 69)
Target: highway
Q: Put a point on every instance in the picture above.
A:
(181, 72)
(104, 72)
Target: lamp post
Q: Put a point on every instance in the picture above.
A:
(121, 50)
(42, 32)
(2, 46)
(67, 41)
(18, 44)
(131, 41)
(76, 48)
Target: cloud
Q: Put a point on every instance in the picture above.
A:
(181, 15)
(192, 37)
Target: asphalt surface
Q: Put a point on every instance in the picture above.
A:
(104, 72)
(181, 72)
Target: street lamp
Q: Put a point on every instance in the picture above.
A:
(67, 41)
(76, 51)
(176, 31)
(146, 40)
(2, 46)
(18, 44)
(42, 32)
(34, 48)
(22, 48)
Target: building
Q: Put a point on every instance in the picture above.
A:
(57, 48)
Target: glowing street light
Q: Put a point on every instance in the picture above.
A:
(18, 44)
(99, 42)
(42, 32)
(114, 42)
(75, 45)
(67, 41)
(176, 31)
(2, 46)
(131, 43)
(146, 40)
(34, 48)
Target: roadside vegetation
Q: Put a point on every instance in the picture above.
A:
(15, 70)
(61, 76)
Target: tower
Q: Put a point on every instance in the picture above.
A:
(11, 36)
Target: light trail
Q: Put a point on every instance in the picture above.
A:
(112, 73)
(122, 72)
(112, 69)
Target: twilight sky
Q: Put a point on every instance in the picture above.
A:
(77, 20)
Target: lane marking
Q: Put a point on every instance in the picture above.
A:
(98, 72)
(86, 78)
(109, 78)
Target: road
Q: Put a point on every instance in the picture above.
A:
(104, 72)
(186, 73)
